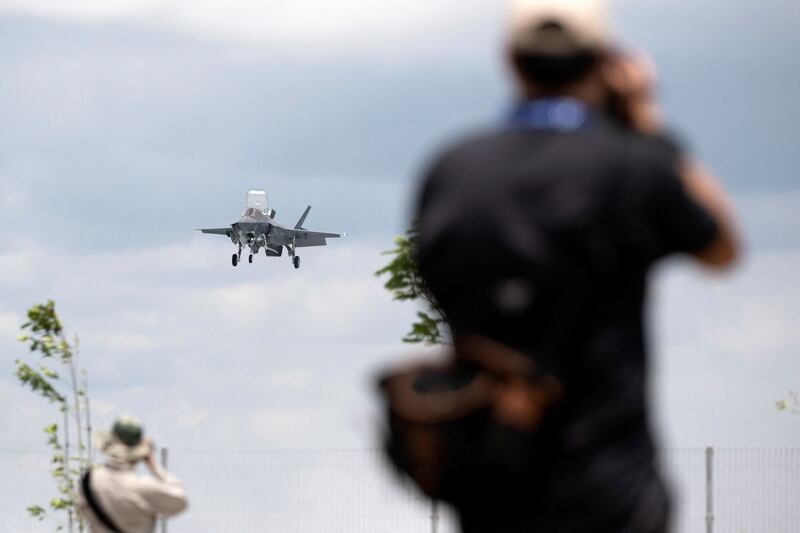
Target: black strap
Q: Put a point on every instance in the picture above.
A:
(95, 505)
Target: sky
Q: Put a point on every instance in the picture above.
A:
(124, 124)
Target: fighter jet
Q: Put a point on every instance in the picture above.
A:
(257, 229)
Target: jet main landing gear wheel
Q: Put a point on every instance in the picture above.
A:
(296, 261)
(250, 259)
(234, 259)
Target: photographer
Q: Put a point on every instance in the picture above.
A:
(114, 498)
(540, 235)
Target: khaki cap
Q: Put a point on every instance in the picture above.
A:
(559, 27)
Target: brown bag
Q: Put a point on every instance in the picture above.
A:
(469, 422)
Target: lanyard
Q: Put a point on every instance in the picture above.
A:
(560, 114)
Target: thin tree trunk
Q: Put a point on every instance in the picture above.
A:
(89, 459)
(89, 455)
(65, 464)
(73, 378)
(73, 381)
(72, 363)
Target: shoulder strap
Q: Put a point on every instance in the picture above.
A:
(95, 505)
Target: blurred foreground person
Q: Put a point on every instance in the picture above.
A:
(113, 497)
(536, 239)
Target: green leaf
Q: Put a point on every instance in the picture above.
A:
(59, 503)
(790, 404)
(37, 511)
(43, 334)
(46, 332)
(405, 283)
(37, 382)
(426, 329)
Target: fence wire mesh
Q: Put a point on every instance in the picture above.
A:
(296, 492)
(757, 490)
(331, 491)
(24, 481)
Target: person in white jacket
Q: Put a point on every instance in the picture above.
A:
(113, 497)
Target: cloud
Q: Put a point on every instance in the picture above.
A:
(283, 427)
(186, 416)
(278, 356)
(152, 134)
(128, 123)
(9, 324)
(726, 351)
(184, 340)
(770, 220)
(80, 9)
(324, 27)
(751, 317)
(290, 378)
(102, 407)
(317, 27)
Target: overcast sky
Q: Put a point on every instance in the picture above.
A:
(126, 123)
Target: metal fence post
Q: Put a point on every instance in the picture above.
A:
(434, 516)
(164, 456)
(709, 489)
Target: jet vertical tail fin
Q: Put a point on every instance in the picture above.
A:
(299, 224)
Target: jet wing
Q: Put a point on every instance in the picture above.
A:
(305, 238)
(301, 237)
(216, 231)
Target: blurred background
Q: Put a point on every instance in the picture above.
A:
(126, 123)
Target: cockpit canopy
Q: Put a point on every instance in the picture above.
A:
(257, 199)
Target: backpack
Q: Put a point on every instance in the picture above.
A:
(469, 424)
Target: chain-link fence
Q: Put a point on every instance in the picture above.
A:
(290, 491)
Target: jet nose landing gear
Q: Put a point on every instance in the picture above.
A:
(250, 258)
(296, 261)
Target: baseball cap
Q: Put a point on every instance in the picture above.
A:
(558, 28)
(124, 441)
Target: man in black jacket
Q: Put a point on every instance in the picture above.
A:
(541, 233)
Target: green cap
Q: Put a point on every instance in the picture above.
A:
(128, 430)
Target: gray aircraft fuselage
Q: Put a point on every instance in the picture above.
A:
(257, 229)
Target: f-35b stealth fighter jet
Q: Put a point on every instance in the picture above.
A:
(257, 229)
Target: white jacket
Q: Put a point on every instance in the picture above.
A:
(132, 500)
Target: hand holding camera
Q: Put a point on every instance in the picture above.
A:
(150, 460)
(631, 82)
